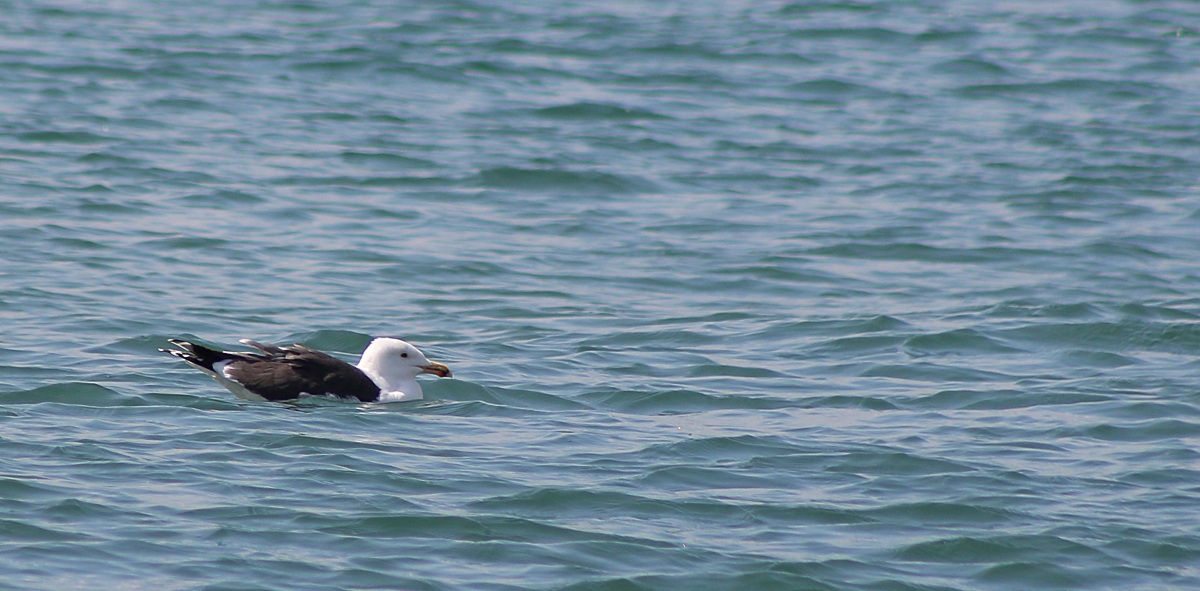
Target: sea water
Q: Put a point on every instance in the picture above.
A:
(828, 294)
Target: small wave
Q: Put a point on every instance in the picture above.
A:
(933, 373)
(858, 345)
(851, 401)
(385, 160)
(186, 243)
(834, 88)
(21, 531)
(1123, 337)
(556, 501)
(1154, 430)
(970, 550)
(140, 345)
(97, 71)
(829, 6)
(741, 447)
(1038, 575)
(941, 513)
(463, 391)
(894, 463)
(326, 339)
(971, 68)
(223, 198)
(872, 34)
(564, 181)
(73, 393)
(483, 528)
(927, 253)
(185, 104)
(107, 159)
(728, 370)
(673, 401)
(596, 112)
(26, 489)
(964, 341)
(1077, 87)
(559, 503)
(688, 478)
(361, 181)
(65, 137)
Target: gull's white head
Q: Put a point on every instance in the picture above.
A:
(394, 365)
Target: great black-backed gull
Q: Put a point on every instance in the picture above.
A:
(386, 372)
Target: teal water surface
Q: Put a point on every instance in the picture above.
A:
(828, 295)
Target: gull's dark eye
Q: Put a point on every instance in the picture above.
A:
(404, 355)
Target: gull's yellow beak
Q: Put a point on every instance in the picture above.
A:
(436, 369)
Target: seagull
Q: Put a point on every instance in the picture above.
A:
(386, 372)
